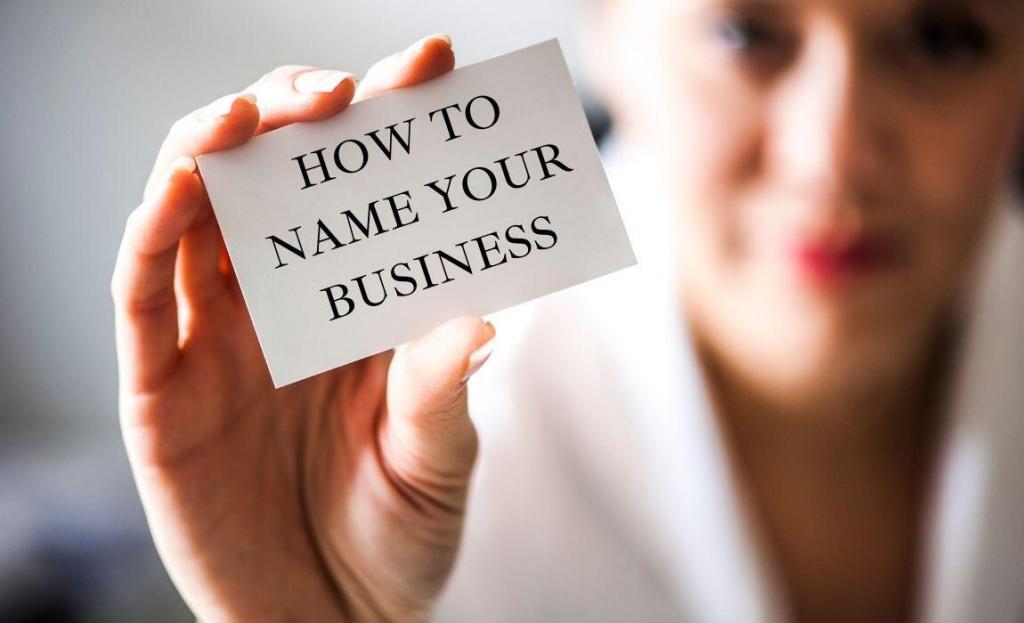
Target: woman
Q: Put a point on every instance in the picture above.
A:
(803, 405)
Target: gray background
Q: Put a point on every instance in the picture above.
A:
(89, 90)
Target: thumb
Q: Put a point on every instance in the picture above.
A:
(427, 436)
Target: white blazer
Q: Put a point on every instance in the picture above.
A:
(603, 492)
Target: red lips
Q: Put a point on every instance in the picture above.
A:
(857, 257)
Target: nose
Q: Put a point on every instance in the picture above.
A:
(827, 135)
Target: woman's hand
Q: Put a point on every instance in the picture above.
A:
(337, 498)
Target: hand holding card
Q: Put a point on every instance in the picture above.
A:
(464, 195)
(283, 504)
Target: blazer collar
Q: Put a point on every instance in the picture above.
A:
(974, 556)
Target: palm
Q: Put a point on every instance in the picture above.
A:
(303, 461)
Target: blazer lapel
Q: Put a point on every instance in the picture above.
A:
(975, 556)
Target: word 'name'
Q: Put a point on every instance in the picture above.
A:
(396, 211)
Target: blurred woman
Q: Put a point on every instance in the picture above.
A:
(805, 404)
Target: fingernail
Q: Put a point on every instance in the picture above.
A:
(181, 163)
(418, 47)
(478, 358)
(222, 107)
(184, 162)
(320, 81)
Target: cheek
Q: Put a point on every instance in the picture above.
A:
(961, 157)
(713, 132)
(946, 238)
(957, 161)
(701, 118)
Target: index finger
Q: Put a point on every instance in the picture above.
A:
(226, 123)
(424, 60)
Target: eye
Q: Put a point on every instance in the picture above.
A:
(947, 38)
(756, 40)
(745, 32)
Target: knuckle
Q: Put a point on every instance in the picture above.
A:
(114, 287)
(117, 278)
(117, 285)
(131, 223)
(180, 129)
(180, 124)
(383, 63)
(282, 73)
(290, 69)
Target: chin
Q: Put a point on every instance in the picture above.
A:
(811, 326)
(853, 336)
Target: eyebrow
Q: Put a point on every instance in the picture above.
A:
(1008, 4)
(1001, 4)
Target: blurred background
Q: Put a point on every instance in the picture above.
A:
(89, 91)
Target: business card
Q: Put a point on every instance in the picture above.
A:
(470, 193)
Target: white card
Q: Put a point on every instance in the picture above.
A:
(349, 237)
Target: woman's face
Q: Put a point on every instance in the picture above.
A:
(834, 161)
